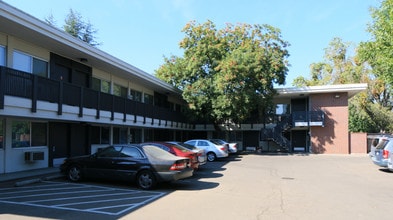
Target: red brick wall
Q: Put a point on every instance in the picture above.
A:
(358, 143)
(333, 138)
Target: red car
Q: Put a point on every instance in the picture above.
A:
(177, 150)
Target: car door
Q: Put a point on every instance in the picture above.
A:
(127, 165)
(102, 164)
(204, 145)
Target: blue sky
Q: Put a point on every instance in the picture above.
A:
(142, 32)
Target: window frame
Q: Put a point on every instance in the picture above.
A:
(3, 56)
(29, 135)
(30, 66)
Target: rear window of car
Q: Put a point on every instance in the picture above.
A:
(382, 143)
(217, 141)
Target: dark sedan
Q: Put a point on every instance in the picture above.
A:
(146, 165)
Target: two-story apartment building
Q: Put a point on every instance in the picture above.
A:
(61, 97)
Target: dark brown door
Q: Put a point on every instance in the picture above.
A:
(299, 140)
(251, 139)
(78, 140)
(58, 142)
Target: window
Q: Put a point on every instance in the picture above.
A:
(120, 135)
(149, 135)
(28, 134)
(1, 133)
(119, 91)
(131, 152)
(148, 99)
(2, 56)
(101, 85)
(135, 136)
(39, 134)
(99, 135)
(27, 63)
(282, 109)
(135, 95)
(109, 152)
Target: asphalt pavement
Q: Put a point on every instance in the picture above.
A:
(256, 186)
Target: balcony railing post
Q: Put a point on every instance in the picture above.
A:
(98, 105)
(34, 92)
(2, 86)
(81, 102)
(60, 101)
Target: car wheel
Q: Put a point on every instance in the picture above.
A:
(211, 156)
(146, 180)
(74, 173)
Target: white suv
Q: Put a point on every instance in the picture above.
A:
(383, 152)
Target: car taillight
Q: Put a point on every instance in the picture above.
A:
(178, 166)
(385, 154)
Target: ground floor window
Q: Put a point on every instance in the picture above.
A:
(28, 134)
(100, 135)
(135, 136)
(1, 133)
(120, 135)
(149, 135)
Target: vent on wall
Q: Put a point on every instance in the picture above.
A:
(33, 156)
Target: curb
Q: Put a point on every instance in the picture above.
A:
(37, 180)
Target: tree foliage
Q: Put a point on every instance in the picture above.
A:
(338, 67)
(225, 74)
(379, 51)
(369, 111)
(77, 27)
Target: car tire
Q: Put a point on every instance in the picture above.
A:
(74, 173)
(146, 180)
(211, 156)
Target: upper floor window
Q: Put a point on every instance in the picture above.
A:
(27, 63)
(2, 56)
(119, 90)
(101, 85)
(148, 99)
(135, 95)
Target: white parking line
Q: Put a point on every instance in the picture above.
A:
(79, 197)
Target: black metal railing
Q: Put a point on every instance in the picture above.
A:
(26, 85)
(308, 118)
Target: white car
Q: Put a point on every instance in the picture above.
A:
(213, 151)
(232, 146)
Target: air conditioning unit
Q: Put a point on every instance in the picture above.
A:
(34, 156)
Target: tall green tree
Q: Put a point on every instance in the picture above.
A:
(77, 27)
(226, 74)
(369, 111)
(378, 54)
(378, 51)
(338, 67)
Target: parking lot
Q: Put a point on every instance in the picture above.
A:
(249, 186)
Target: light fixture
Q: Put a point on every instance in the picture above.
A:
(337, 96)
(84, 60)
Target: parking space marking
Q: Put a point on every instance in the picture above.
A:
(79, 197)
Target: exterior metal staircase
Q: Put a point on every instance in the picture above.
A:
(276, 133)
